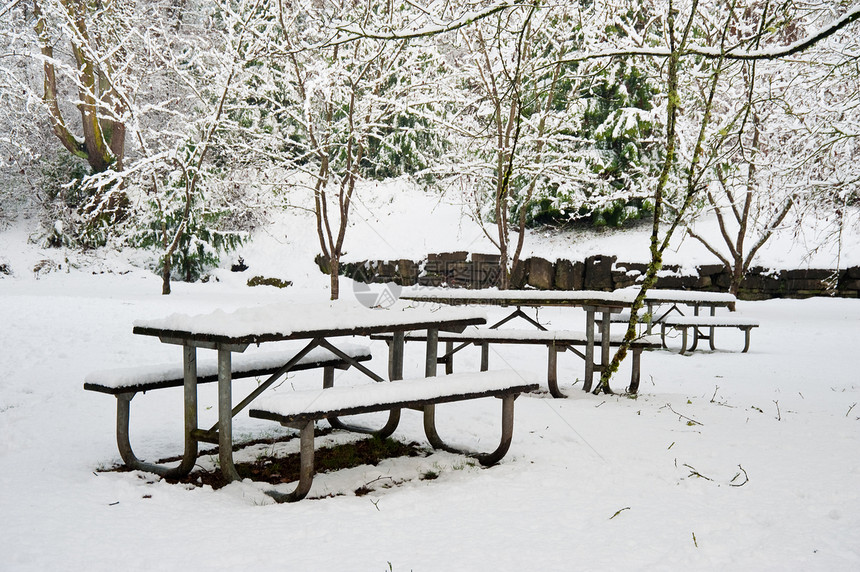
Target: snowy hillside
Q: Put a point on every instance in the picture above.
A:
(725, 460)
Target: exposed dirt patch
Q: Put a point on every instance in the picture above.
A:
(285, 469)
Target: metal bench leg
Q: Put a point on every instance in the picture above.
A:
(552, 370)
(306, 468)
(449, 358)
(486, 459)
(589, 349)
(746, 339)
(696, 336)
(604, 343)
(395, 371)
(712, 330)
(635, 374)
(432, 352)
(663, 335)
(189, 456)
(485, 356)
(225, 415)
(684, 340)
(650, 318)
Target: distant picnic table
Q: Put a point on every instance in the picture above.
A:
(595, 303)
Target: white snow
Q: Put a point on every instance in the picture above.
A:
(291, 318)
(512, 297)
(512, 335)
(336, 399)
(731, 320)
(685, 296)
(724, 461)
(208, 366)
(494, 295)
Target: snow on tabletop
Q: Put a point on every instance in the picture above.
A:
(525, 334)
(624, 295)
(287, 318)
(341, 398)
(518, 334)
(496, 295)
(208, 365)
(541, 335)
(686, 296)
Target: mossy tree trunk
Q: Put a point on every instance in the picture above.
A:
(102, 144)
(659, 244)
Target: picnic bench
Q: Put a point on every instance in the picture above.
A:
(694, 323)
(321, 326)
(598, 306)
(662, 303)
(664, 309)
(556, 341)
(300, 409)
(125, 383)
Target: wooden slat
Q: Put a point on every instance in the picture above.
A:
(371, 407)
(448, 325)
(178, 382)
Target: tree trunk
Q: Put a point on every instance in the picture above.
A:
(165, 275)
(735, 284)
(334, 276)
(505, 274)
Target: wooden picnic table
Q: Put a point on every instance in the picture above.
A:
(320, 324)
(594, 302)
(696, 300)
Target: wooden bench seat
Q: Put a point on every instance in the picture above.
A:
(300, 409)
(555, 340)
(684, 323)
(125, 383)
(145, 378)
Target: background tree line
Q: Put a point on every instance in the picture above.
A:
(162, 123)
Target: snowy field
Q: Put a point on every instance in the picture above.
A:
(724, 461)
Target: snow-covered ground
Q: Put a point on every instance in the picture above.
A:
(724, 461)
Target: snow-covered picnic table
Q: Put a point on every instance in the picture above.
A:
(605, 304)
(322, 325)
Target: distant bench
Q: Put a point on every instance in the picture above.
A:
(684, 323)
(125, 383)
(556, 341)
(300, 409)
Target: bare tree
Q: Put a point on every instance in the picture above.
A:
(337, 103)
(516, 132)
(177, 136)
(697, 162)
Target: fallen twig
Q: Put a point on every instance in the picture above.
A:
(850, 408)
(746, 478)
(619, 511)
(381, 478)
(690, 420)
(695, 473)
(714, 398)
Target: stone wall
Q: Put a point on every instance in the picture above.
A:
(465, 270)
